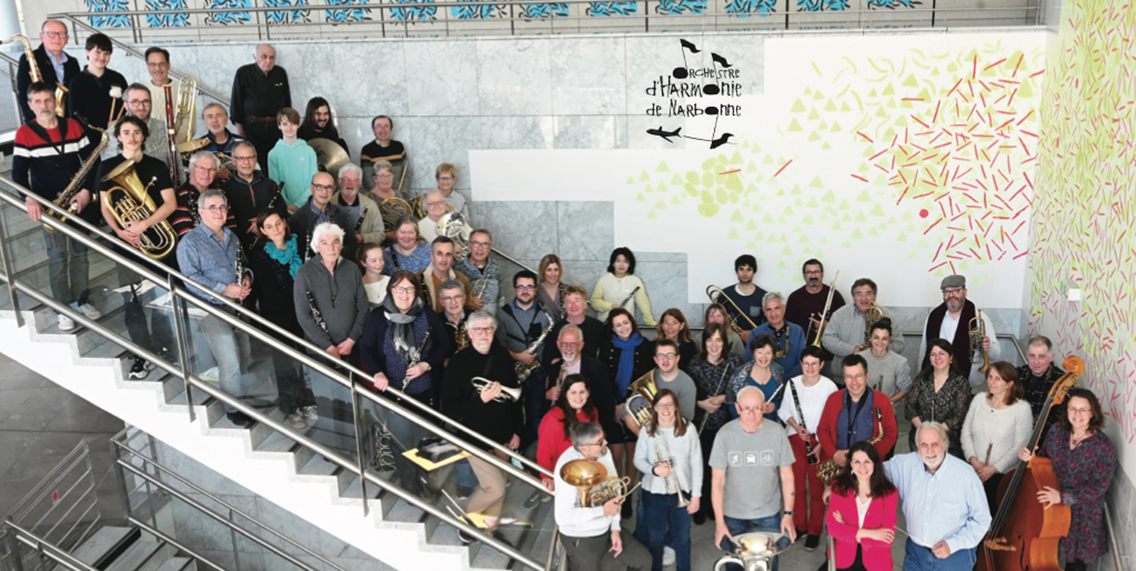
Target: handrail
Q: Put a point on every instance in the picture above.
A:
(332, 456)
(511, 259)
(39, 544)
(197, 557)
(216, 516)
(261, 322)
(121, 445)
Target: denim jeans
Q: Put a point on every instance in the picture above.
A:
(660, 512)
(919, 558)
(771, 524)
(67, 267)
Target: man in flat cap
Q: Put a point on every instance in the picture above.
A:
(951, 320)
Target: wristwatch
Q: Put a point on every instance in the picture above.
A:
(788, 513)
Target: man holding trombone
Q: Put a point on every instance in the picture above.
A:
(743, 299)
(969, 330)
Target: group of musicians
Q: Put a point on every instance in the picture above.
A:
(742, 412)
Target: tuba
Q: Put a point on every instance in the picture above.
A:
(977, 329)
(129, 202)
(755, 551)
(507, 394)
(716, 295)
(64, 199)
(642, 389)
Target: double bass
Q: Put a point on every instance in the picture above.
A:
(1024, 535)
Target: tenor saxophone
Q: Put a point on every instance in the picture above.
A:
(63, 201)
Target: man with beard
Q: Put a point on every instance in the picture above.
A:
(362, 212)
(319, 209)
(846, 333)
(317, 123)
(439, 271)
(951, 321)
(482, 271)
(805, 305)
(943, 501)
(522, 322)
(745, 297)
(570, 346)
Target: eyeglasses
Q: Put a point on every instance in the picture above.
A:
(139, 102)
(568, 343)
(217, 208)
(952, 291)
(480, 244)
(863, 293)
(158, 64)
(666, 356)
(453, 298)
(665, 405)
(602, 442)
(236, 158)
(345, 179)
(387, 175)
(757, 409)
(481, 330)
(1080, 411)
(435, 202)
(446, 177)
(55, 35)
(323, 187)
(205, 169)
(403, 289)
(814, 272)
(524, 288)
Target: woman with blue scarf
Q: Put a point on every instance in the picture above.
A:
(275, 260)
(628, 356)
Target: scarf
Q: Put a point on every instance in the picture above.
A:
(289, 257)
(961, 342)
(626, 360)
(401, 326)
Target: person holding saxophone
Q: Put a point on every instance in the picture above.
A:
(669, 455)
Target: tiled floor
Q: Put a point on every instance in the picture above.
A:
(40, 423)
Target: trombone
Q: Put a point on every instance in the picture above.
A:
(714, 293)
(824, 314)
(977, 329)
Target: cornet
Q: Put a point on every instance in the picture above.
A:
(977, 327)
(482, 384)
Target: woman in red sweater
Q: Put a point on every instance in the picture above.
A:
(862, 513)
(574, 405)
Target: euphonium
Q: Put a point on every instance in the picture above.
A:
(754, 551)
(643, 388)
(977, 327)
(63, 201)
(129, 202)
(482, 383)
(714, 293)
(871, 316)
(664, 456)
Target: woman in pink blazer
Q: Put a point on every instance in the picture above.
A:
(862, 513)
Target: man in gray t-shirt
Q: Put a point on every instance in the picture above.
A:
(751, 462)
(667, 375)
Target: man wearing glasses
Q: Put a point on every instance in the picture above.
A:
(591, 535)
(250, 192)
(362, 211)
(669, 376)
(56, 68)
(570, 344)
(202, 168)
(805, 304)
(482, 271)
(845, 334)
(158, 66)
(438, 272)
(317, 210)
(951, 321)
(522, 322)
(218, 136)
(139, 104)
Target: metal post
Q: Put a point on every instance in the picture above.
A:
(233, 538)
(182, 333)
(15, 549)
(9, 274)
(115, 457)
(355, 413)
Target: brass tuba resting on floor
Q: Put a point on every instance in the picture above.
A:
(129, 202)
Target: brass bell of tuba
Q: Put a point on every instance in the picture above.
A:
(977, 329)
(643, 389)
(129, 202)
(871, 316)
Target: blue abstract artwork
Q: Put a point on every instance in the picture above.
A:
(544, 10)
(477, 10)
(346, 14)
(108, 20)
(423, 13)
(225, 18)
(286, 17)
(601, 9)
(674, 7)
(167, 20)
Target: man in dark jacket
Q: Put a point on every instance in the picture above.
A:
(319, 209)
(56, 68)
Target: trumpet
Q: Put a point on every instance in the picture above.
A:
(977, 328)
(482, 384)
(824, 314)
(664, 456)
(642, 389)
(716, 294)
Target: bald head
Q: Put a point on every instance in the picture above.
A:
(265, 57)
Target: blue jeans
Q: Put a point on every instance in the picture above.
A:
(660, 512)
(771, 524)
(919, 558)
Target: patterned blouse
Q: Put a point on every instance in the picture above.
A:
(741, 378)
(711, 381)
(947, 405)
(1084, 474)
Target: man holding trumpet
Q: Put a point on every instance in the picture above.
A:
(591, 534)
(479, 391)
(957, 320)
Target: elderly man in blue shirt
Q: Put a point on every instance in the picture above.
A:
(210, 254)
(944, 502)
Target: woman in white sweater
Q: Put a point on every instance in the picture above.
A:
(997, 425)
(620, 287)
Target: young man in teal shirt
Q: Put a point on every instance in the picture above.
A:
(292, 163)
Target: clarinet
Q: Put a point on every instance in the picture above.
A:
(317, 316)
(721, 385)
(808, 441)
(240, 270)
(308, 249)
(359, 223)
(623, 303)
(394, 258)
(415, 357)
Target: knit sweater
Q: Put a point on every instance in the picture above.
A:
(686, 456)
(338, 296)
(46, 168)
(845, 332)
(890, 374)
(371, 226)
(293, 166)
(1001, 431)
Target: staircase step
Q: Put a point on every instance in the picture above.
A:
(136, 555)
(175, 564)
(104, 541)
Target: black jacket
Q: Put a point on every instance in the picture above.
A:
(644, 361)
(303, 221)
(461, 401)
(47, 71)
(247, 201)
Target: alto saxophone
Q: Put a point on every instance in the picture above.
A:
(63, 201)
(524, 371)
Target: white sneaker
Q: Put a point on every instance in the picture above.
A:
(90, 311)
(296, 419)
(65, 323)
(310, 413)
(668, 556)
(213, 375)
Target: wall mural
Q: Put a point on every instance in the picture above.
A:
(856, 145)
(1082, 228)
(226, 18)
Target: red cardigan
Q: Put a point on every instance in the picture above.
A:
(827, 430)
(881, 515)
(551, 442)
